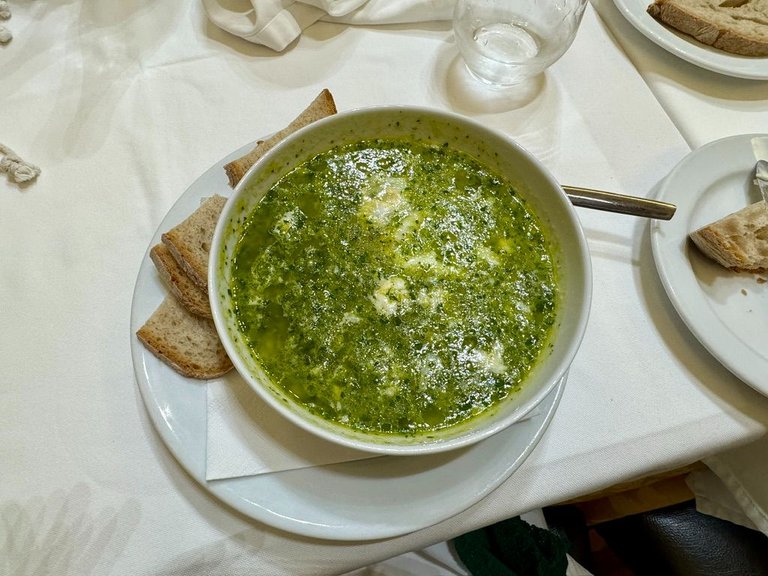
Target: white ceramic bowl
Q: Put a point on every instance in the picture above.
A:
(498, 152)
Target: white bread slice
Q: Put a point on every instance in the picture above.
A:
(187, 343)
(190, 241)
(189, 294)
(738, 241)
(736, 26)
(323, 105)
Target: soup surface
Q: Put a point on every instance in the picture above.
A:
(395, 286)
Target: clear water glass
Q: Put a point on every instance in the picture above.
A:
(505, 42)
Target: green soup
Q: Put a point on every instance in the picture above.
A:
(395, 286)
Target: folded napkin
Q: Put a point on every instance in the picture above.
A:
(743, 472)
(247, 437)
(713, 498)
(277, 23)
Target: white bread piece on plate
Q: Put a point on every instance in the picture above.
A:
(187, 343)
(323, 105)
(738, 241)
(190, 241)
(735, 26)
(189, 294)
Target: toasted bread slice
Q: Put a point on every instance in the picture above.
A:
(323, 105)
(738, 241)
(190, 241)
(736, 26)
(187, 343)
(189, 294)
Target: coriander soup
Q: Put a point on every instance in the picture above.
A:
(395, 286)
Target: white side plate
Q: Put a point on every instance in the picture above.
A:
(726, 311)
(690, 49)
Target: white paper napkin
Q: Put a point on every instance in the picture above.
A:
(247, 437)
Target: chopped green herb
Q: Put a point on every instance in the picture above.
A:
(395, 286)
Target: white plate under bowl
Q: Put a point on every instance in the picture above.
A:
(726, 311)
(381, 497)
(690, 49)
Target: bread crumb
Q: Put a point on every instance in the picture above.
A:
(761, 280)
(743, 291)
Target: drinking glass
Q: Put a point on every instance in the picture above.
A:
(505, 42)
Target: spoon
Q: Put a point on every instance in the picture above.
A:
(621, 203)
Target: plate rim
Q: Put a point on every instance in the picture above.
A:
(165, 418)
(696, 313)
(691, 50)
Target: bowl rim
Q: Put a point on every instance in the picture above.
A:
(472, 434)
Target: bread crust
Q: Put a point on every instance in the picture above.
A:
(738, 241)
(190, 241)
(187, 343)
(323, 105)
(188, 293)
(180, 332)
(728, 34)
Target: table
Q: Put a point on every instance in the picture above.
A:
(124, 105)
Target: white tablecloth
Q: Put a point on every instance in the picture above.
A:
(124, 105)
(705, 107)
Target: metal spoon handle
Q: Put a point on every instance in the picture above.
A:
(621, 203)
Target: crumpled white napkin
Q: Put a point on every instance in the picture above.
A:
(247, 437)
(277, 23)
